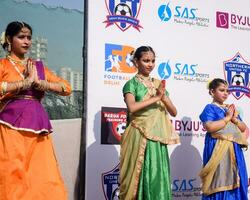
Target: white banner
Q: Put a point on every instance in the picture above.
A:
(194, 41)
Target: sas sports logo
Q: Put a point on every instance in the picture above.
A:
(181, 71)
(123, 13)
(237, 72)
(181, 14)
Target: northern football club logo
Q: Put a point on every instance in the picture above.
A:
(123, 13)
(110, 184)
(237, 72)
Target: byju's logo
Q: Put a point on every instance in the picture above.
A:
(110, 183)
(237, 72)
(234, 21)
(118, 58)
(222, 19)
(123, 13)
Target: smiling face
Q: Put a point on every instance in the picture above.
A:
(21, 42)
(220, 93)
(146, 63)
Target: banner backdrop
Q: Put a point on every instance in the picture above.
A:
(194, 41)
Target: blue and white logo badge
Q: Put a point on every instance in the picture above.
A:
(164, 70)
(123, 13)
(164, 12)
(110, 184)
(181, 14)
(181, 71)
(236, 72)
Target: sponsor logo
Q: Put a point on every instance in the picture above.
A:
(228, 20)
(189, 128)
(113, 124)
(181, 71)
(222, 19)
(185, 188)
(118, 65)
(123, 13)
(181, 15)
(110, 184)
(236, 71)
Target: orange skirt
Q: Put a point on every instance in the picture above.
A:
(28, 167)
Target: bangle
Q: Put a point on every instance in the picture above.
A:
(62, 86)
(43, 86)
(3, 88)
(18, 86)
(26, 84)
(226, 121)
(236, 122)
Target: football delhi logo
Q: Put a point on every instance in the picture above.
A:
(123, 13)
(237, 72)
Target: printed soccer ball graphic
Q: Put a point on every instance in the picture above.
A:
(121, 128)
(238, 80)
(115, 195)
(123, 9)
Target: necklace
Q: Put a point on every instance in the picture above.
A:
(21, 62)
(148, 82)
(223, 107)
(13, 62)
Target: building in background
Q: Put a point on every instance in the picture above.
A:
(2, 52)
(73, 77)
(39, 49)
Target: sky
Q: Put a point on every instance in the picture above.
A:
(64, 44)
(70, 4)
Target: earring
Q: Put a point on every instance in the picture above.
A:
(9, 47)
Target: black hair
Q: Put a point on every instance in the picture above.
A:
(138, 52)
(216, 83)
(13, 28)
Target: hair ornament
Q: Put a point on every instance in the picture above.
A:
(208, 83)
(3, 38)
(132, 56)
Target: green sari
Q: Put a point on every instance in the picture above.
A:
(144, 161)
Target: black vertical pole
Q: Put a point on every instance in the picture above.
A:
(82, 164)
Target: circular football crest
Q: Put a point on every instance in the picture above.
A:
(121, 128)
(115, 194)
(238, 80)
(123, 9)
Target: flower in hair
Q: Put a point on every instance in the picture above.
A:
(208, 83)
(132, 56)
(3, 38)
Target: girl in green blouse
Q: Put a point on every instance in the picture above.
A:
(144, 160)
